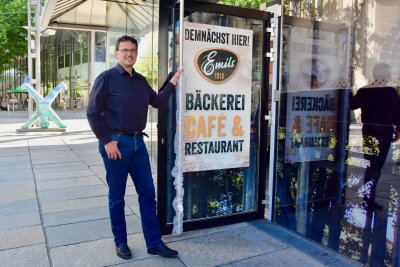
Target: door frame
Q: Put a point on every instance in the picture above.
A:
(162, 157)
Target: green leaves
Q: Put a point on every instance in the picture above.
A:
(13, 38)
(243, 3)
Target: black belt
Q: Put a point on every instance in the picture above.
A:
(132, 134)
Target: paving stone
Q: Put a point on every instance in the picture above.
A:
(322, 255)
(12, 140)
(44, 153)
(19, 220)
(81, 215)
(15, 166)
(57, 167)
(92, 161)
(131, 200)
(136, 210)
(89, 144)
(258, 237)
(87, 231)
(74, 204)
(288, 257)
(344, 262)
(17, 190)
(86, 151)
(15, 175)
(97, 253)
(67, 183)
(73, 193)
(219, 248)
(15, 160)
(99, 171)
(21, 237)
(14, 151)
(202, 232)
(61, 174)
(17, 207)
(32, 256)
(51, 142)
(58, 159)
(154, 261)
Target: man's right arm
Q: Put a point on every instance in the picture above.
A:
(96, 108)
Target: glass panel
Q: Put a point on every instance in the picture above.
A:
(61, 62)
(67, 60)
(116, 21)
(99, 64)
(337, 168)
(77, 57)
(85, 55)
(142, 23)
(225, 191)
(100, 47)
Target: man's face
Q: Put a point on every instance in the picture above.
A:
(126, 54)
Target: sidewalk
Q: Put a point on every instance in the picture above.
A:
(53, 212)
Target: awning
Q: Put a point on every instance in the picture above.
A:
(74, 12)
(90, 14)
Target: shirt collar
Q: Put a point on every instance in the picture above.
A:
(121, 70)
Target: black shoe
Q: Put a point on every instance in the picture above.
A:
(124, 252)
(163, 251)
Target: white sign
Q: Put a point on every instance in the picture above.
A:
(217, 97)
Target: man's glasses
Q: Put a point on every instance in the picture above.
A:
(126, 51)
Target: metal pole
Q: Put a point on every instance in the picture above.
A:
(38, 86)
(178, 201)
(274, 115)
(34, 30)
(181, 18)
(30, 106)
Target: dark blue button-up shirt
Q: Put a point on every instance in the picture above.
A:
(119, 102)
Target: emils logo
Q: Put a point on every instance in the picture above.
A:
(216, 65)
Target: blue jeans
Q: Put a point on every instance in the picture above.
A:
(135, 161)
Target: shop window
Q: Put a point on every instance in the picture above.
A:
(339, 114)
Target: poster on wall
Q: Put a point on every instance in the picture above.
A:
(316, 68)
(217, 97)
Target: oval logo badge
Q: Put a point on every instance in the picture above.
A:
(216, 65)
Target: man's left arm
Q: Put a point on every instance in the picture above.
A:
(156, 100)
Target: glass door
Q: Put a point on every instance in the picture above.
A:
(226, 195)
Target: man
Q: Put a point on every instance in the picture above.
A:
(117, 114)
(380, 115)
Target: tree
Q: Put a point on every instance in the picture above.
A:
(13, 37)
(243, 3)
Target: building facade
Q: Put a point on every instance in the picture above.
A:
(337, 150)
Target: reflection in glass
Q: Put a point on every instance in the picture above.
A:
(338, 160)
(65, 59)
